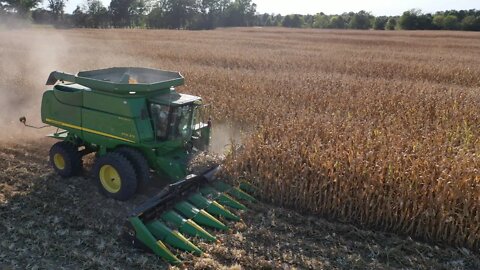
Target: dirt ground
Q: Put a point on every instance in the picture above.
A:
(47, 222)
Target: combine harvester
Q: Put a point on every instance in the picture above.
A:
(135, 122)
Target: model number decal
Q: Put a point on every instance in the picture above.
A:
(128, 135)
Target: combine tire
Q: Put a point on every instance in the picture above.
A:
(65, 159)
(140, 164)
(115, 176)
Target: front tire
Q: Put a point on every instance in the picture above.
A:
(65, 159)
(115, 176)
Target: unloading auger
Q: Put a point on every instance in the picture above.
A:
(135, 122)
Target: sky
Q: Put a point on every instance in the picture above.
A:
(376, 7)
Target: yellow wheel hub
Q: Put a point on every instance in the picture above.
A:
(110, 179)
(59, 161)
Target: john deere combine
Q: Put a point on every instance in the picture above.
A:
(136, 122)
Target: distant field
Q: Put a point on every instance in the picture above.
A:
(376, 129)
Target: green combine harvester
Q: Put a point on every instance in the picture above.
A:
(136, 122)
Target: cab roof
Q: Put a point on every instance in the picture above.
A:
(173, 98)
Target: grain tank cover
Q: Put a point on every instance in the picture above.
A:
(122, 80)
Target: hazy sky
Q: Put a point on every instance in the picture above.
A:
(377, 7)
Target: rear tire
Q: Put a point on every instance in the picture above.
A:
(65, 159)
(139, 162)
(115, 176)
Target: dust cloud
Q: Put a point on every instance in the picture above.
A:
(224, 137)
(28, 56)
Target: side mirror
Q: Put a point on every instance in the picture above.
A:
(23, 120)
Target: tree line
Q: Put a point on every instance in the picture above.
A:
(210, 14)
(410, 20)
(172, 14)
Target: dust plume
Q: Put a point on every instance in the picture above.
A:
(224, 137)
(12, 21)
(28, 56)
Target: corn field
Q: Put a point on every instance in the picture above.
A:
(379, 129)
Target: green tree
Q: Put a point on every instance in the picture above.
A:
(42, 16)
(156, 17)
(79, 17)
(337, 22)
(287, 21)
(409, 19)
(307, 20)
(120, 10)
(424, 21)
(292, 21)
(57, 8)
(439, 21)
(270, 21)
(321, 21)
(450, 22)
(471, 23)
(22, 7)
(137, 11)
(277, 20)
(347, 16)
(262, 19)
(178, 13)
(391, 24)
(380, 23)
(240, 13)
(210, 14)
(360, 20)
(97, 14)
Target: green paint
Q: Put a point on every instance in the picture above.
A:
(173, 238)
(137, 107)
(187, 226)
(247, 187)
(144, 235)
(211, 206)
(234, 191)
(199, 216)
(113, 107)
(222, 198)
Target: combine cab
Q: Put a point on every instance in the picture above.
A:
(136, 122)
